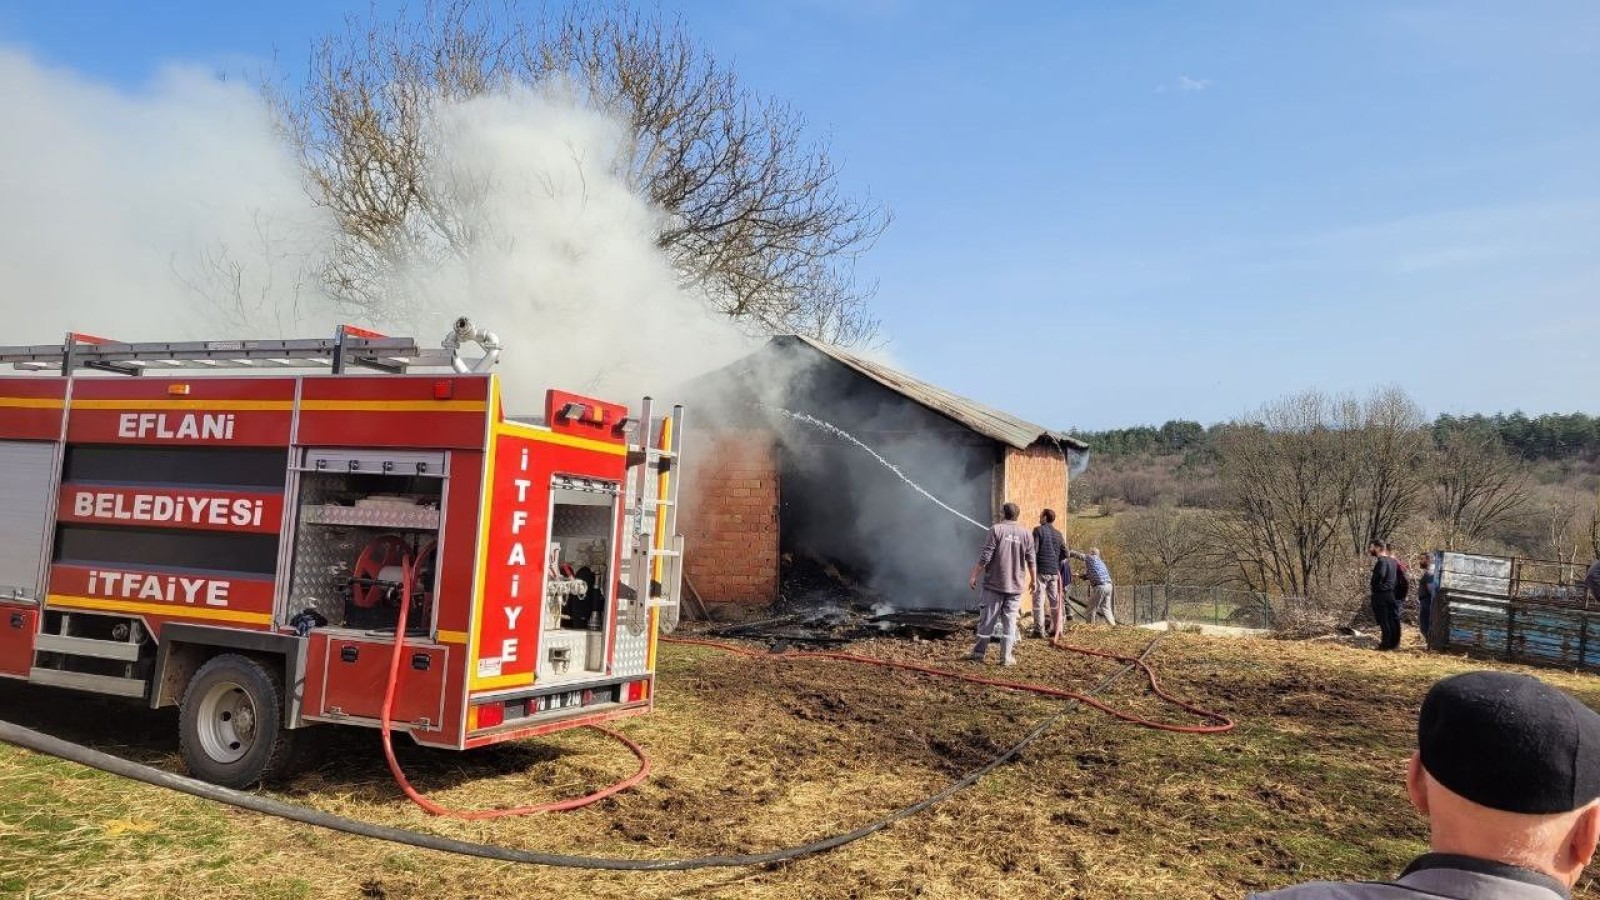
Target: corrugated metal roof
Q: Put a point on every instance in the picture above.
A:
(985, 420)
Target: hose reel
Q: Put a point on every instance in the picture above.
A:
(376, 584)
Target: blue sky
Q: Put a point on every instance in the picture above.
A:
(1116, 213)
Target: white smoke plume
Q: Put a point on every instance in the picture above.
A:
(563, 257)
(120, 206)
(177, 211)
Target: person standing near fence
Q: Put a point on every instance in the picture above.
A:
(1006, 555)
(1593, 580)
(1427, 589)
(1402, 581)
(1385, 609)
(1099, 584)
(1050, 551)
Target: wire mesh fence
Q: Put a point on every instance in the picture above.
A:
(1142, 604)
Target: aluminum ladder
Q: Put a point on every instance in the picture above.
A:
(349, 347)
(653, 519)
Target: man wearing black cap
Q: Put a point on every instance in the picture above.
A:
(1507, 770)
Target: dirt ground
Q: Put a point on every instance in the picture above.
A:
(756, 754)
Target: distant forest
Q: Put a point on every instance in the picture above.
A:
(1285, 499)
(1573, 436)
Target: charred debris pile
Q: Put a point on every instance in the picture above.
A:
(822, 604)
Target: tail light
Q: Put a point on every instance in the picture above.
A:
(486, 715)
(638, 690)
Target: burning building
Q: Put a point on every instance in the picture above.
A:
(807, 459)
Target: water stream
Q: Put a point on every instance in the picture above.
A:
(838, 432)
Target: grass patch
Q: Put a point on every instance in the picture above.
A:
(754, 754)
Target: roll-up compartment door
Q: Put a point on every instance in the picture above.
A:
(26, 478)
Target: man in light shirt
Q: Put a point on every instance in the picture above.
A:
(1099, 585)
(1007, 554)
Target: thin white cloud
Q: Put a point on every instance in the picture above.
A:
(1184, 84)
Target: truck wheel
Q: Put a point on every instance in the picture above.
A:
(230, 724)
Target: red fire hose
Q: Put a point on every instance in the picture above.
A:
(1222, 723)
(406, 576)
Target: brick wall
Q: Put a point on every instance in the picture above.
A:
(1036, 479)
(729, 517)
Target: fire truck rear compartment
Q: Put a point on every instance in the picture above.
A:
(360, 516)
(579, 595)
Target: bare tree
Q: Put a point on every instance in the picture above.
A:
(1564, 528)
(756, 217)
(262, 286)
(1594, 525)
(1390, 457)
(1163, 545)
(1477, 486)
(1594, 533)
(1289, 477)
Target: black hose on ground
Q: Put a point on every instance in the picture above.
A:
(39, 742)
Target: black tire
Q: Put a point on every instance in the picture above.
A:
(230, 724)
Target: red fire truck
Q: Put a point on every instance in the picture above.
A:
(235, 532)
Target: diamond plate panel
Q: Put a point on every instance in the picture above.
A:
(413, 517)
(574, 521)
(632, 650)
(323, 558)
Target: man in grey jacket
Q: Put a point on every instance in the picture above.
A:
(1007, 555)
(1507, 770)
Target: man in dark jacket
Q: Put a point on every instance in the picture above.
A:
(1050, 551)
(1593, 580)
(1385, 608)
(1507, 772)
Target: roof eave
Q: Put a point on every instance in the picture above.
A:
(1018, 438)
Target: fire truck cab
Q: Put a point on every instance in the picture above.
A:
(230, 535)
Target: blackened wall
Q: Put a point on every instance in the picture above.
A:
(838, 503)
(834, 501)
